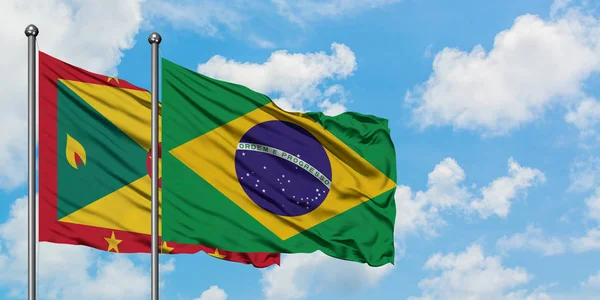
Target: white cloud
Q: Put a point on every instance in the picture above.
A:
(297, 78)
(415, 213)
(260, 42)
(535, 295)
(301, 11)
(589, 290)
(76, 31)
(67, 271)
(585, 175)
(428, 51)
(168, 266)
(287, 105)
(444, 185)
(213, 18)
(420, 211)
(593, 205)
(559, 6)
(496, 196)
(532, 239)
(300, 274)
(472, 275)
(593, 282)
(201, 16)
(331, 109)
(589, 242)
(334, 103)
(533, 65)
(213, 293)
(585, 117)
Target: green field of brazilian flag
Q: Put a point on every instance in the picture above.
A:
(241, 174)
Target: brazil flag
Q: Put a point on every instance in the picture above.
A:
(242, 174)
(94, 165)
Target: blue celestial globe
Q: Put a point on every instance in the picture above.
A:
(283, 168)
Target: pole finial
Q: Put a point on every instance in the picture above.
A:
(31, 30)
(154, 38)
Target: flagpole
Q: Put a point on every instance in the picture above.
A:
(31, 32)
(154, 39)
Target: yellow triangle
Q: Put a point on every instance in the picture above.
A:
(127, 209)
(127, 109)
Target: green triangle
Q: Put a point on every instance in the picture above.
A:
(113, 159)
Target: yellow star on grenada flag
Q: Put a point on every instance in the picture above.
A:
(166, 249)
(113, 243)
(108, 79)
(217, 254)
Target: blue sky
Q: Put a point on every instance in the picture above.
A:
(493, 111)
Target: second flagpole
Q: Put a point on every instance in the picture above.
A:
(154, 39)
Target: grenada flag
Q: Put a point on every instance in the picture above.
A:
(94, 165)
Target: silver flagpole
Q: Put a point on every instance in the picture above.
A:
(154, 41)
(31, 32)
